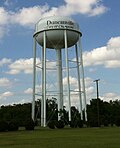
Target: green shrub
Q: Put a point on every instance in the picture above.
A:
(51, 124)
(3, 126)
(80, 124)
(60, 124)
(12, 126)
(106, 123)
(93, 123)
(117, 122)
(29, 124)
(73, 123)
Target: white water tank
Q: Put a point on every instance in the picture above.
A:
(54, 28)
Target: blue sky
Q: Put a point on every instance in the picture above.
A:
(100, 24)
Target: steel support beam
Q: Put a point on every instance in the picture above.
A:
(83, 78)
(67, 72)
(44, 79)
(59, 83)
(34, 80)
(79, 84)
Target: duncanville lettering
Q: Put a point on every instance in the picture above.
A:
(59, 22)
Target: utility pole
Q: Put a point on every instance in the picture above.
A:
(98, 114)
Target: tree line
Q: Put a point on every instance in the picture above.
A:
(99, 113)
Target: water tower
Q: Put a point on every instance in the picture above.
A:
(58, 33)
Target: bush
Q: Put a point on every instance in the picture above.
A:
(80, 124)
(117, 122)
(51, 124)
(60, 124)
(106, 123)
(85, 123)
(29, 124)
(93, 123)
(3, 126)
(73, 124)
(12, 126)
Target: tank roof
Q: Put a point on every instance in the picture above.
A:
(56, 22)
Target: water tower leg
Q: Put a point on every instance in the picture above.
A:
(83, 79)
(60, 84)
(67, 71)
(44, 81)
(34, 80)
(79, 85)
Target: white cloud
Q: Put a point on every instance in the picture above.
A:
(5, 61)
(4, 21)
(112, 64)
(107, 55)
(88, 82)
(98, 10)
(90, 90)
(72, 80)
(28, 91)
(30, 15)
(91, 7)
(25, 100)
(5, 101)
(89, 87)
(4, 82)
(74, 83)
(26, 66)
(74, 92)
(4, 16)
(21, 65)
(6, 94)
(50, 65)
(110, 96)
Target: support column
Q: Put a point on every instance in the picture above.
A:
(79, 84)
(83, 79)
(59, 79)
(67, 71)
(44, 80)
(34, 80)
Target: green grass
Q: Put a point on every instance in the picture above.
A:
(62, 138)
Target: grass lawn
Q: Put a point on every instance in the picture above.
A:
(62, 138)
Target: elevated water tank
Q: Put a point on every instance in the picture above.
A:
(54, 28)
